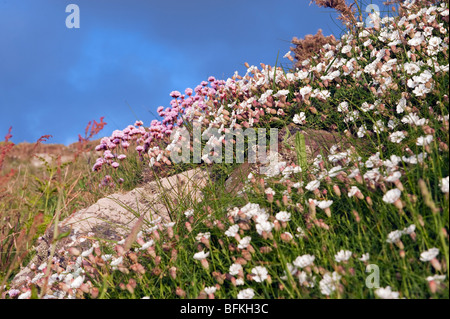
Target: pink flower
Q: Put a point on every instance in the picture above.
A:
(115, 164)
(97, 166)
(139, 148)
(108, 155)
(100, 147)
(175, 94)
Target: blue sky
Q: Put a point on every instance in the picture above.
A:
(128, 55)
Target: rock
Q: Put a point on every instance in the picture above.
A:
(112, 217)
(235, 182)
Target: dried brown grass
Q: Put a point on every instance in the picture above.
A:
(310, 45)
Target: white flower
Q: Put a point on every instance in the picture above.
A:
(210, 290)
(244, 242)
(392, 123)
(417, 39)
(343, 255)
(87, 252)
(77, 282)
(435, 41)
(343, 107)
(373, 160)
(302, 74)
(364, 257)
(411, 68)
(288, 234)
(436, 278)
(290, 269)
(37, 277)
(346, 49)
(392, 161)
(189, 212)
(409, 230)
(304, 261)
(397, 137)
(300, 232)
(42, 266)
(352, 116)
(106, 257)
(415, 158)
(378, 126)
(412, 118)
(281, 92)
(393, 177)
(302, 278)
(199, 236)
(362, 130)
(444, 184)
(269, 191)
(147, 244)
(394, 236)
(305, 91)
(313, 185)
(169, 225)
(321, 94)
(239, 282)
(283, 216)
(424, 140)
(25, 295)
(299, 118)
(297, 185)
(324, 204)
(366, 107)
(265, 226)
(429, 254)
(261, 216)
(353, 191)
(264, 96)
(232, 231)
(235, 269)
(386, 293)
(201, 255)
(392, 196)
(116, 261)
(260, 273)
(328, 283)
(335, 171)
(246, 294)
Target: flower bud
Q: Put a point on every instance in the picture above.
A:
(173, 272)
(336, 190)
